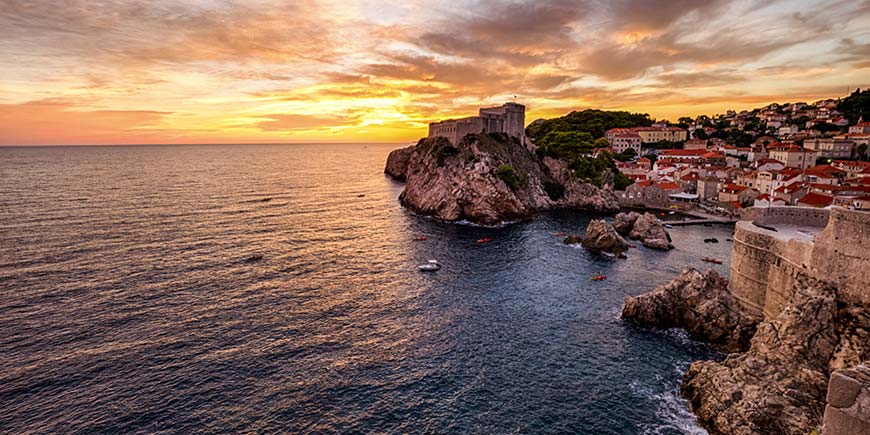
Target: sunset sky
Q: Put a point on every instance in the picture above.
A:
(199, 71)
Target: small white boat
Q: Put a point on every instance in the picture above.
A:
(668, 226)
(430, 266)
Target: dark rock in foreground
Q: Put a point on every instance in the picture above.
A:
(697, 302)
(488, 179)
(778, 385)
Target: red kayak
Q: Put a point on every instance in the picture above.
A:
(420, 238)
(560, 234)
(483, 240)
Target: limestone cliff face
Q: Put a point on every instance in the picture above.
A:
(577, 194)
(397, 162)
(699, 303)
(777, 384)
(486, 179)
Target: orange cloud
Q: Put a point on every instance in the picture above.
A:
(59, 122)
(330, 70)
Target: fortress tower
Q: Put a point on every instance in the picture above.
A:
(509, 118)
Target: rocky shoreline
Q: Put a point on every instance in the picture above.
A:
(775, 378)
(488, 179)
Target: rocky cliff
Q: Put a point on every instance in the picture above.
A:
(777, 384)
(488, 179)
(699, 303)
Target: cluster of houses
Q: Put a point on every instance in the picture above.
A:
(787, 165)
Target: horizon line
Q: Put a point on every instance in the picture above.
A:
(197, 144)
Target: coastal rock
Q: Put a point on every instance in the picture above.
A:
(624, 222)
(778, 386)
(649, 230)
(601, 237)
(397, 162)
(572, 240)
(697, 302)
(578, 194)
(487, 179)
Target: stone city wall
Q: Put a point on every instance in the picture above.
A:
(766, 264)
(848, 408)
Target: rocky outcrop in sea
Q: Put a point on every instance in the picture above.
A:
(601, 237)
(699, 303)
(646, 228)
(489, 179)
(775, 385)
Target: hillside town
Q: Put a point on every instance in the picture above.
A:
(805, 154)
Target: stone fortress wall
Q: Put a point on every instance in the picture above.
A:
(508, 118)
(827, 244)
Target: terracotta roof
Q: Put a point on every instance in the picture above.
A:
(816, 200)
(678, 153)
(669, 185)
(824, 171)
(734, 188)
(765, 161)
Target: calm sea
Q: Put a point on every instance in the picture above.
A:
(127, 304)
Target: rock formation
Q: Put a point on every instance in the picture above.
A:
(576, 193)
(624, 222)
(697, 302)
(778, 385)
(601, 237)
(397, 162)
(488, 179)
(649, 230)
(572, 240)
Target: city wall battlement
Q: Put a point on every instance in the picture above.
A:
(827, 244)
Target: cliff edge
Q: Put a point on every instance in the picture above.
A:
(488, 179)
(796, 310)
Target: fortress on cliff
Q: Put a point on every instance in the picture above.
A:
(509, 118)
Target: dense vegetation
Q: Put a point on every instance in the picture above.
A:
(573, 138)
(856, 106)
(507, 174)
(593, 122)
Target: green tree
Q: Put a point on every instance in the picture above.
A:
(594, 122)
(685, 121)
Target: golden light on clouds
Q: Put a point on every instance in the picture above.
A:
(174, 71)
